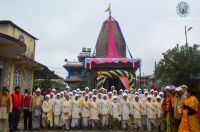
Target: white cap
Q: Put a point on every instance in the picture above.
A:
(62, 92)
(47, 96)
(139, 89)
(131, 89)
(86, 88)
(178, 89)
(53, 90)
(94, 96)
(67, 87)
(90, 93)
(57, 94)
(121, 90)
(161, 93)
(76, 95)
(145, 89)
(100, 94)
(158, 97)
(104, 95)
(38, 90)
(115, 97)
(151, 90)
(70, 93)
(148, 96)
(109, 93)
(167, 88)
(136, 93)
(136, 96)
(146, 92)
(155, 91)
(124, 94)
(114, 91)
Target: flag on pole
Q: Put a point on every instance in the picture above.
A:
(108, 9)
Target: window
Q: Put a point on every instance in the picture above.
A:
(1, 74)
(17, 77)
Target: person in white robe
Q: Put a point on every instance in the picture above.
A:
(66, 112)
(75, 112)
(159, 114)
(94, 113)
(99, 102)
(104, 111)
(47, 115)
(115, 113)
(151, 113)
(57, 111)
(85, 112)
(125, 111)
(137, 113)
(144, 109)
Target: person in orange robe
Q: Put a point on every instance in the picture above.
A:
(190, 121)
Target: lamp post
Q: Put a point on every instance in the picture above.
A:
(186, 30)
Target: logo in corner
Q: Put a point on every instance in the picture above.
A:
(183, 9)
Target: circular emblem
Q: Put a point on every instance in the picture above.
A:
(183, 9)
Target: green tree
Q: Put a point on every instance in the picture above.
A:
(180, 65)
(48, 84)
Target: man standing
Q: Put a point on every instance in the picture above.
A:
(137, 113)
(66, 112)
(177, 106)
(85, 112)
(27, 113)
(17, 100)
(5, 109)
(151, 113)
(36, 109)
(75, 112)
(104, 112)
(125, 111)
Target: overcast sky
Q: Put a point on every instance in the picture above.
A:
(63, 27)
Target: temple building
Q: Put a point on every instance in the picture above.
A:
(17, 58)
(108, 65)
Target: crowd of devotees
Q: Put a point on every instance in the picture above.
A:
(171, 109)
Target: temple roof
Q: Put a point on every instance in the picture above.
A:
(110, 42)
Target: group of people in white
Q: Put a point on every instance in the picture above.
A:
(103, 110)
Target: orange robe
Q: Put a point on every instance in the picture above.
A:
(190, 123)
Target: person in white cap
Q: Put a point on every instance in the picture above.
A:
(144, 109)
(114, 92)
(87, 90)
(104, 111)
(47, 115)
(159, 114)
(36, 109)
(66, 112)
(94, 113)
(131, 95)
(155, 93)
(90, 96)
(115, 113)
(75, 112)
(99, 101)
(52, 99)
(112, 88)
(125, 111)
(110, 101)
(85, 112)
(151, 113)
(62, 97)
(57, 111)
(137, 113)
(179, 99)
